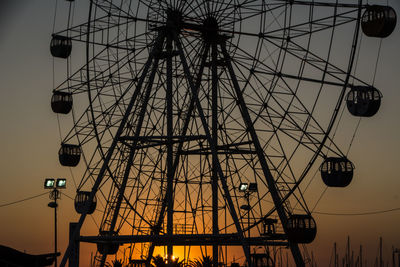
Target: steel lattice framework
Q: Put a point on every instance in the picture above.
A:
(182, 101)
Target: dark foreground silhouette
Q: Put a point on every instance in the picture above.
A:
(13, 257)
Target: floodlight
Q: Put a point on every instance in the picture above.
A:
(61, 183)
(49, 183)
(253, 187)
(243, 187)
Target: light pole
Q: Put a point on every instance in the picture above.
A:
(55, 185)
(247, 189)
(244, 187)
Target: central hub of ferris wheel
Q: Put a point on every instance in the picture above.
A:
(210, 28)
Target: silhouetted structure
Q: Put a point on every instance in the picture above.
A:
(137, 263)
(261, 260)
(107, 248)
(69, 155)
(301, 228)
(61, 102)
(82, 202)
(185, 101)
(363, 101)
(10, 257)
(269, 226)
(337, 171)
(60, 46)
(378, 21)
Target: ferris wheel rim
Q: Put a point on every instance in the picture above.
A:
(88, 43)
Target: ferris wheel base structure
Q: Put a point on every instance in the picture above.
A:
(193, 240)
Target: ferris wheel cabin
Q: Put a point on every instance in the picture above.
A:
(60, 46)
(107, 248)
(61, 102)
(337, 172)
(378, 21)
(83, 204)
(69, 155)
(363, 101)
(301, 228)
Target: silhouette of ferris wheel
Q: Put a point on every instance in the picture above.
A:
(197, 122)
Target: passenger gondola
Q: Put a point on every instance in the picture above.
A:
(60, 46)
(107, 247)
(69, 155)
(337, 171)
(61, 102)
(363, 101)
(301, 228)
(378, 21)
(83, 204)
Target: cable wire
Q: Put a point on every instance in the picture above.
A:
(357, 214)
(377, 61)
(319, 199)
(354, 136)
(55, 15)
(22, 200)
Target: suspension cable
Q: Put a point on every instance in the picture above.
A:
(22, 200)
(55, 15)
(319, 199)
(377, 61)
(353, 137)
(357, 213)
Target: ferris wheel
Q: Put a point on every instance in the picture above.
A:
(196, 124)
